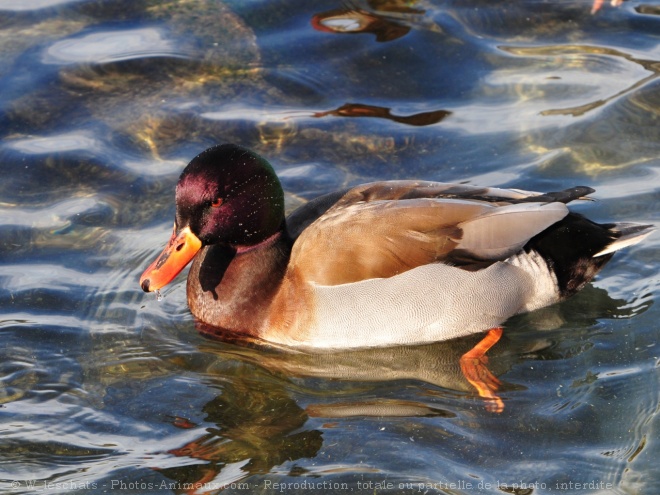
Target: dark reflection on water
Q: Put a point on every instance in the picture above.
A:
(359, 110)
(381, 18)
(103, 103)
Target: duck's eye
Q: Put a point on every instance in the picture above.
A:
(217, 203)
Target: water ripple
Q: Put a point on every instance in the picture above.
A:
(70, 141)
(27, 5)
(114, 46)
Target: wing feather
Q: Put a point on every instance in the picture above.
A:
(382, 229)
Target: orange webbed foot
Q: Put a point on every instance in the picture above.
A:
(474, 367)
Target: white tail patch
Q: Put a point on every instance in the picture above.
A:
(631, 234)
(503, 231)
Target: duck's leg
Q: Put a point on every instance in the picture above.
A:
(473, 366)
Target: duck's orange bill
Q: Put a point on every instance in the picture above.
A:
(182, 248)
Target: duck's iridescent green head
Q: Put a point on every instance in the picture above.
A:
(226, 195)
(229, 194)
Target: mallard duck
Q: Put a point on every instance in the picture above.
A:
(380, 264)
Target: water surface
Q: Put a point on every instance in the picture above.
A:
(105, 389)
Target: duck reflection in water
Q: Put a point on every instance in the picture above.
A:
(268, 395)
(257, 428)
(260, 425)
